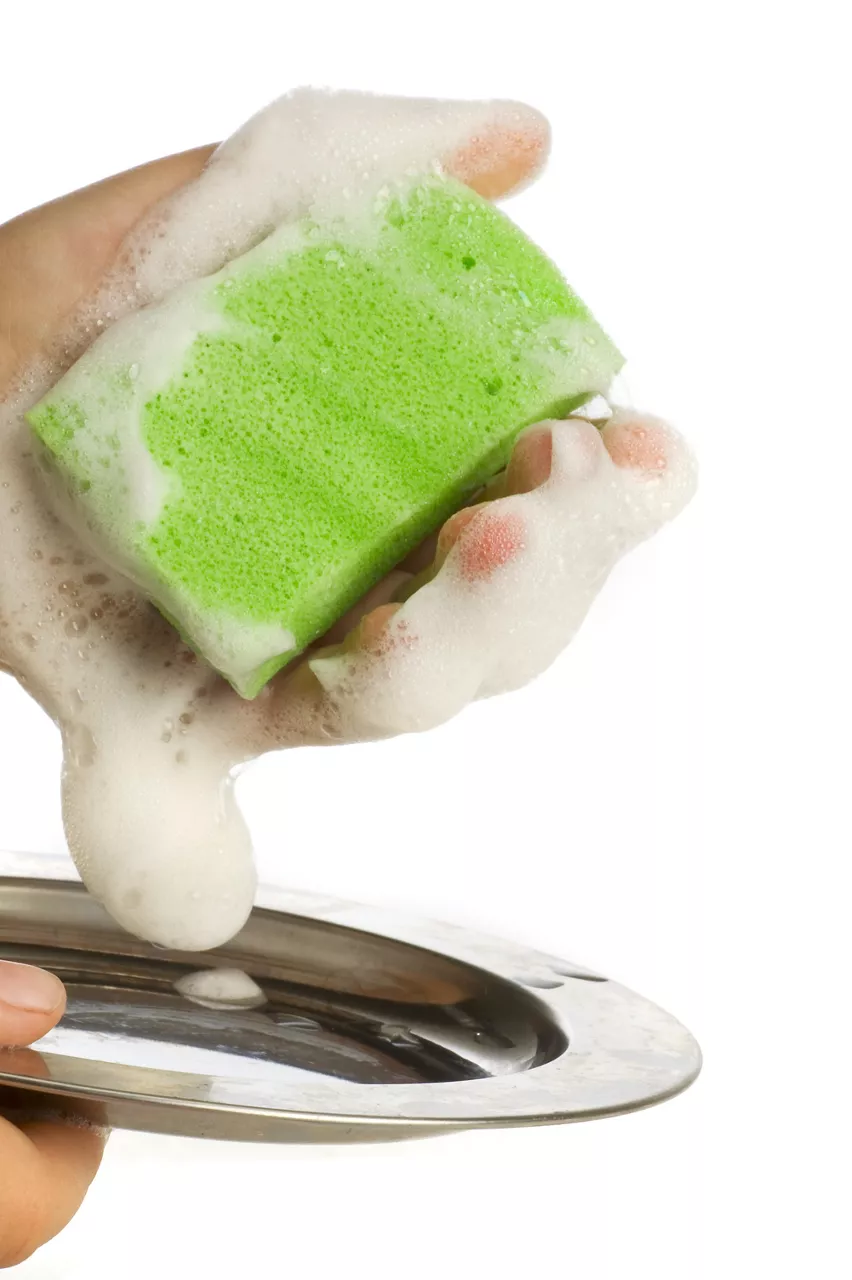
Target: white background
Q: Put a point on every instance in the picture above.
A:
(669, 803)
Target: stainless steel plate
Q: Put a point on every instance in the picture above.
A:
(367, 1027)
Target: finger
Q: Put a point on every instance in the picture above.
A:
(279, 161)
(315, 703)
(308, 143)
(380, 594)
(115, 201)
(589, 524)
(31, 1002)
(297, 707)
(656, 467)
(509, 582)
(515, 577)
(531, 460)
(528, 467)
(299, 155)
(46, 1168)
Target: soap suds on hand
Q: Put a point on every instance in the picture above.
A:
(152, 737)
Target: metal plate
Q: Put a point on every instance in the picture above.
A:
(373, 1026)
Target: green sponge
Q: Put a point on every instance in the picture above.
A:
(259, 449)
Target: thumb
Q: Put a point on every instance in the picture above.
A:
(31, 1002)
(300, 155)
(46, 1163)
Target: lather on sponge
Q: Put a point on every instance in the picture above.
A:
(260, 448)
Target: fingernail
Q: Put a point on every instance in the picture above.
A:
(33, 990)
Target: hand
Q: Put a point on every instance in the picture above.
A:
(501, 590)
(46, 1165)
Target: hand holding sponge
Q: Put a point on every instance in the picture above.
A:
(262, 446)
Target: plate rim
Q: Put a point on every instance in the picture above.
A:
(623, 1054)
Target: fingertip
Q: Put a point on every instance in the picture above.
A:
(484, 538)
(636, 443)
(504, 155)
(491, 544)
(578, 451)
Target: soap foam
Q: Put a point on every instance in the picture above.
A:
(472, 632)
(152, 738)
(221, 989)
(310, 152)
